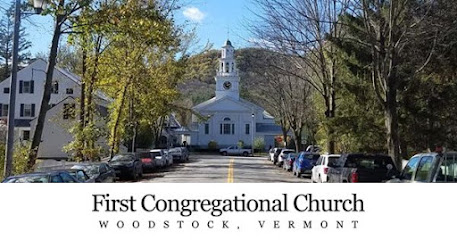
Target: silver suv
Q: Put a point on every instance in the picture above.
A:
(430, 167)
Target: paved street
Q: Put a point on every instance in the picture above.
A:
(220, 169)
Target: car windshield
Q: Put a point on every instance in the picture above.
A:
(368, 162)
(144, 155)
(29, 179)
(122, 158)
(90, 170)
(292, 155)
(312, 157)
(156, 154)
(332, 160)
(79, 175)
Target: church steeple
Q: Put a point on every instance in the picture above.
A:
(227, 79)
(227, 60)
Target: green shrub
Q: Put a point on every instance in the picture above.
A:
(20, 157)
(212, 145)
(259, 144)
(240, 144)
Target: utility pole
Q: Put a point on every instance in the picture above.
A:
(12, 101)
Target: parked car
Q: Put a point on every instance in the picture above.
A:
(362, 168)
(271, 154)
(168, 158)
(320, 171)
(42, 177)
(430, 167)
(313, 148)
(179, 154)
(304, 163)
(127, 165)
(289, 162)
(235, 150)
(159, 157)
(99, 172)
(80, 175)
(282, 156)
(276, 155)
(148, 160)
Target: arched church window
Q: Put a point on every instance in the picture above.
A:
(227, 67)
(233, 67)
(222, 66)
(227, 119)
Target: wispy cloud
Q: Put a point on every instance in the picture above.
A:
(194, 14)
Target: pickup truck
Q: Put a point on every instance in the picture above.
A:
(430, 167)
(235, 150)
(351, 168)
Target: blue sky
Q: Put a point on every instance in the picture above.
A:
(213, 19)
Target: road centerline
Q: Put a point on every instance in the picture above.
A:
(230, 171)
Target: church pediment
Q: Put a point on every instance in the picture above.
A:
(226, 104)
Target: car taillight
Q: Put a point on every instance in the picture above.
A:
(325, 170)
(354, 177)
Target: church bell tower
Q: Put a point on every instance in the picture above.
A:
(227, 78)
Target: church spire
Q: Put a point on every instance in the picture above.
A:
(227, 60)
(227, 79)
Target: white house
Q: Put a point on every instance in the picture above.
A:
(30, 89)
(56, 130)
(230, 118)
(66, 88)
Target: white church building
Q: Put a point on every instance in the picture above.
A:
(227, 118)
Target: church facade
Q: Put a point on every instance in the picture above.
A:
(227, 118)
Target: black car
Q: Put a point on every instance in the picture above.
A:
(362, 168)
(127, 165)
(99, 172)
(43, 177)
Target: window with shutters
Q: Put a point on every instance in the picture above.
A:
(55, 88)
(4, 110)
(26, 86)
(27, 110)
(26, 135)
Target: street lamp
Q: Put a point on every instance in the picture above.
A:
(252, 135)
(38, 5)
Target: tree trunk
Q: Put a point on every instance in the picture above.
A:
(36, 140)
(115, 141)
(391, 121)
(82, 104)
(297, 140)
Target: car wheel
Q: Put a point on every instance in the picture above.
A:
(245, 154)
(134, 176)
(224, 153)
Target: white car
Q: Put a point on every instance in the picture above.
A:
(283, 156)
(235, 150)
(161, 157)
(272, 152)
(319, 172)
